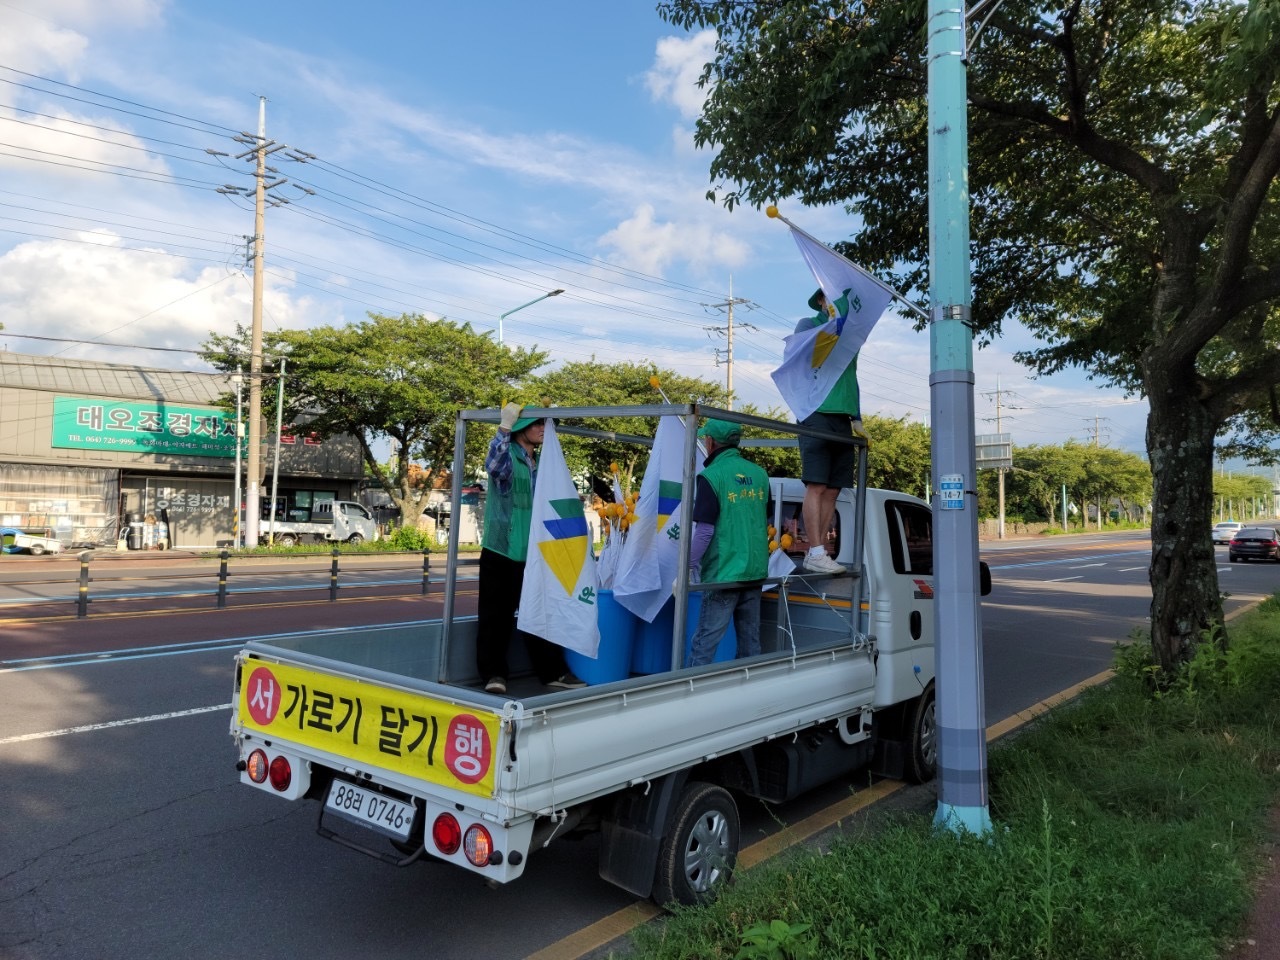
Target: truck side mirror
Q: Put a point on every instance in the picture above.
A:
(984, 578)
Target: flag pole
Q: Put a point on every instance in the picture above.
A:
(772, 212)
(657, 385)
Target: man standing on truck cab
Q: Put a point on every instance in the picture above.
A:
(826, 467)
(512, 465)
(730, 542)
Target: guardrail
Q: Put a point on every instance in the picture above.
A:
(221, 589)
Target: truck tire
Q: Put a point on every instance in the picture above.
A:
(287, 539)
(36, 549)
(922, 737)
(356, 539)
(700, 848)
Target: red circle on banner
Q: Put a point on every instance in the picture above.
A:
(467, 750)
(262, 694)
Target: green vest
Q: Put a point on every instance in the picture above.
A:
(507, 516)
(740, 548)
(843, 397)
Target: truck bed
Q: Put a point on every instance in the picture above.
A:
(572, 746)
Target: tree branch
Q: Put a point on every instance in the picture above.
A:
(1109, 153)
(1242, 214)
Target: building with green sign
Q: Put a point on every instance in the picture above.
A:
(88, 447)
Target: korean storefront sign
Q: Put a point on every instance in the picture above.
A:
(158, 427)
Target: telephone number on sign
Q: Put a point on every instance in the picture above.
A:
(371, 809)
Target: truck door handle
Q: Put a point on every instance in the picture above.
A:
(915, 625)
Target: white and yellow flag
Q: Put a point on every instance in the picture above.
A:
(812, 360)
(558, 600)
(651, 555)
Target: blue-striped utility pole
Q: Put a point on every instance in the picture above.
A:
(962, 744)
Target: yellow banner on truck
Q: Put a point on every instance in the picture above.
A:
(370, 725)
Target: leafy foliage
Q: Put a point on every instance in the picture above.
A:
(399, 378)
(1122, 168)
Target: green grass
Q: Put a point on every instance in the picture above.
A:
(1127, 825)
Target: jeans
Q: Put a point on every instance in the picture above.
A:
(713, 620)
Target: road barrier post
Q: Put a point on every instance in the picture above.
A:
(333, 576)
(426, 571)
(82, 601)
(222, 579)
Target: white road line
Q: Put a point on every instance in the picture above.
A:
(1083, 566)
(1059, 580)
(88, 728)
(1130, 569)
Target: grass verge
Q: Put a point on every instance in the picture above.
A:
(1128, 825)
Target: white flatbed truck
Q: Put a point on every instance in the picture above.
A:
(389, 730)
(332, 521)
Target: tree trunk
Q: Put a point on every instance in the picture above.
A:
(1185, 601)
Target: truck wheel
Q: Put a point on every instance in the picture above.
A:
(701, 846)
(36, 549)
(287, 540)
(922, 749)
(355, 539)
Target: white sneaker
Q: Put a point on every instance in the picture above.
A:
(822, 564)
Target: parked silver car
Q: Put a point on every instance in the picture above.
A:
(1224, 531)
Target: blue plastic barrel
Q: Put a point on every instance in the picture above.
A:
(618, 628)
(652, 653)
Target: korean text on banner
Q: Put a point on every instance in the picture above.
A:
(651, 553)
(558, 600)
(813, 360)
(372, 726)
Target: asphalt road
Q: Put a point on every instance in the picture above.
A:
(127, 835)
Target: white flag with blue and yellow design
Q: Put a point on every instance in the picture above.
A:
(812, 360)
(558, 600)
(651, 554)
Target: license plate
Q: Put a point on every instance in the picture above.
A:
(371, 809)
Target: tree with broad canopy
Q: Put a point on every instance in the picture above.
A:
(399, 378)
(1122, 167)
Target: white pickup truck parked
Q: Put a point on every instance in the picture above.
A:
(389, 730)
(332, 521)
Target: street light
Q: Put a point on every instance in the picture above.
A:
(553, 293)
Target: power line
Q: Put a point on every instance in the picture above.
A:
(107, 96)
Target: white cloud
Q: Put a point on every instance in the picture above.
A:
(642, 243)
(65, 140)
(96, 289)
(678, 63)
(50, 36)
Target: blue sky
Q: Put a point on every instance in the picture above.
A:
(468, 159)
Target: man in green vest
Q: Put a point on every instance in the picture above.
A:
(827, 466)
(512, 465)
(730, 542)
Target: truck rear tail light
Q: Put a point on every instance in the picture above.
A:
(256, 766)
(281, 773)
(477, 845)
(447, 834)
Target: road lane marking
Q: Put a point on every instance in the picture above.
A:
(1044, 563)
(1064, 579)
(1084, 565)
(91, 727)
(1130, 569)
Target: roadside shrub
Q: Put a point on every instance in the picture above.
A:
(408, 538)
